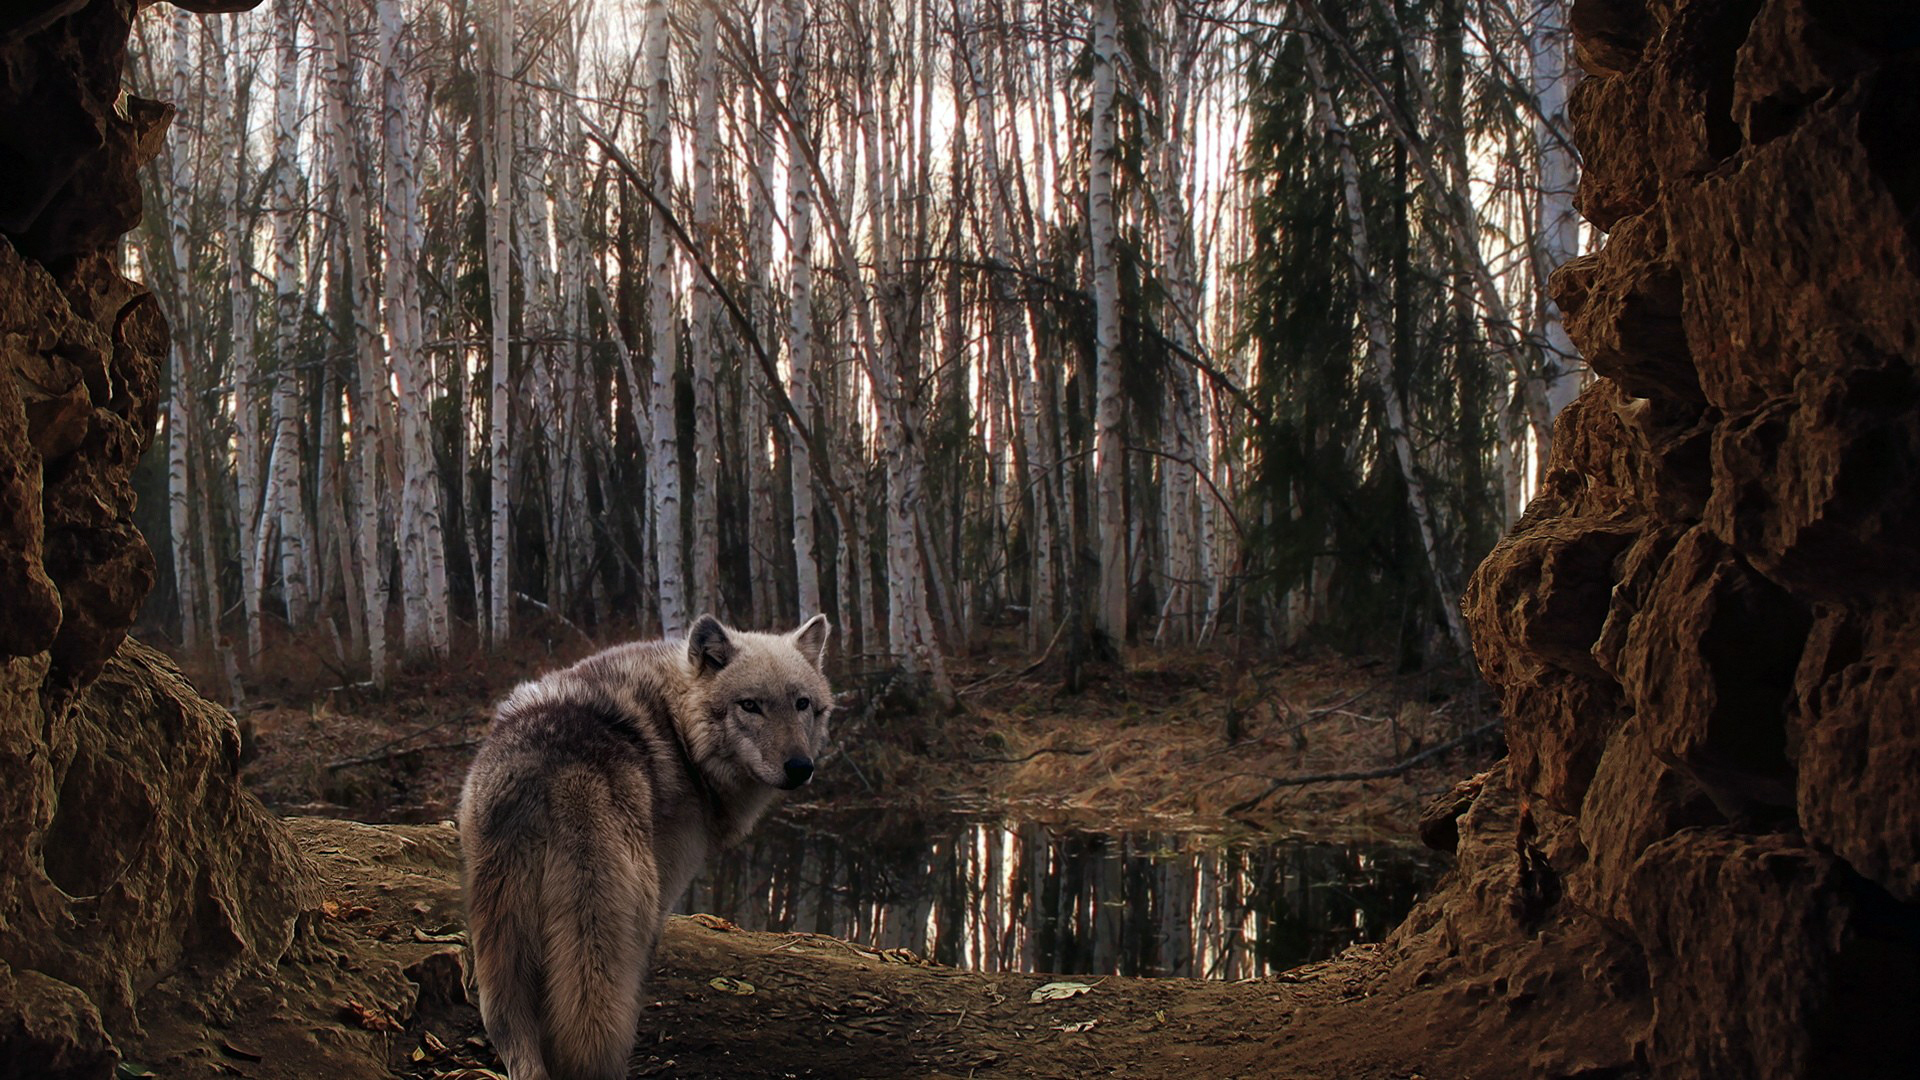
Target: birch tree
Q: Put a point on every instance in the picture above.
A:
(800, 309)
(1557, 227)
(1380, 345)
(1110, 604)
(180, 422)
(706, 418)
(370, 402)
(286, 501)
(978, 324)
(499, 164)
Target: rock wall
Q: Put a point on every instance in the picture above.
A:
(1706, 630)
(129, 856)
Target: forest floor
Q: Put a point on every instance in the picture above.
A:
(378, 982)
(1149, 750)
(376, 985)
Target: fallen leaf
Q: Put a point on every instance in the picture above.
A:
(372, 1019)
(127, 1070)
(1058, 991)
(1075, 1029)
(344, 912)
(730, 985)
(713, 922)
(240, 1052)
(453, 937)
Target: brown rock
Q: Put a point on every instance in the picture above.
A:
(442, 978)
(1854, 737)
(1635, 801)
(1622, 306)
(1709, 663)
(49, 1030)
(1705, 631)
(1440, 821)
(1761, 988)
(130, 858)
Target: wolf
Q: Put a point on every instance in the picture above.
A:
(595, 798)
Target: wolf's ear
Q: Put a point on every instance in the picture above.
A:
(811, 639)
(709, 645)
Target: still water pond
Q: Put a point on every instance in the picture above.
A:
(1024, 897)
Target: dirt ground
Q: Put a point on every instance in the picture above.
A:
(377, 983)
(1149, 750)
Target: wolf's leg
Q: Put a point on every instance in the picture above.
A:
(601, 891)
(504, 901)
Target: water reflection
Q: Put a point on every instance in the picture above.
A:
(1023, 897)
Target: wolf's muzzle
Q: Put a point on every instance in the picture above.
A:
(799, 771)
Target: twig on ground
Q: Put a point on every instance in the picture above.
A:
(377, 753)
(1023, 672)
(392, 755)
(1323, 710)
(1381, 773)
(1075, 750)
(556, 616)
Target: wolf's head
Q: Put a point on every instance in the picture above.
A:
(764, 695)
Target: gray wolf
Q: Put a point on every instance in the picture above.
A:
(595, 798)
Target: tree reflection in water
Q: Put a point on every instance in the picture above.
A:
(1024, 897)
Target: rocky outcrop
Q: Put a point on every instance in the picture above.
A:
(1706, 630)
(130, 858)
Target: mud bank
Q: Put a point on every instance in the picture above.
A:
(375, 985)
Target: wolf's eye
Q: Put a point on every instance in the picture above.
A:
(802, 704)
(748, 704)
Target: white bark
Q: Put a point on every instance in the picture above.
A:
(1557, 227)
(423, 586)
(800, 336)
(499, 261)
(1458, 212)
(247, 471)
(1110, 603)
(287, 501)
(1011, 313)
(180, 396)
(706, 419)
(370, 405)
(755, 422)
(1380, 346)
(663, 460)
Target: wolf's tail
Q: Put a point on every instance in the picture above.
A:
(504, 925)
(600, 921)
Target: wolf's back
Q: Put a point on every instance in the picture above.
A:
(560, 879)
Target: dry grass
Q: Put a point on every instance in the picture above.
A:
(1174, 743)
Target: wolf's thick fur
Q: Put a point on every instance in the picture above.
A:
(592, 804)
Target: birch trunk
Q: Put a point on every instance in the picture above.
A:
(663, 463)
(179, 395)
(247, 471)
(370, 407)
(287, 502)
(1557, 229)
(500, 196)
(423, 586)
(755, 423)
(1380, 346)
(1453, 192)
(1110, 604)
(706, 420)
(800, 335)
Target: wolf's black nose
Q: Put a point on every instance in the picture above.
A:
(799, 771)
